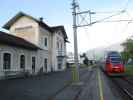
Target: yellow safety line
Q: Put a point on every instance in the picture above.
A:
(100, 85)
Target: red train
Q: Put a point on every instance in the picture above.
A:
(113, 64)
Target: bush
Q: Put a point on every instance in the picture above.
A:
(129, 69)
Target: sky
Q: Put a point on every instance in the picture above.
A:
(59, 12)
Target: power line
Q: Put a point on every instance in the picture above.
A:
(98, 21)
(107, 12)
(110, 16)
(83, 18)
(126, 20)
(76, 14)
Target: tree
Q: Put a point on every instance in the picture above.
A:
(85, 61)
(125, 56)
(128, 50)
(128, 46)
(83, 55)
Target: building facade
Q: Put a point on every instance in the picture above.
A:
(38, 47)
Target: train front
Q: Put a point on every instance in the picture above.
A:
(114, 65)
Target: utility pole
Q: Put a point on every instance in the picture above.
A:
(76, 25)
(74, 13)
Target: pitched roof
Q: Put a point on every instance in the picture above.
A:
(56, 28)
(21, 14)
(41, 23)
(11, 40)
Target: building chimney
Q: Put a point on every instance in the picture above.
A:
(41, 19)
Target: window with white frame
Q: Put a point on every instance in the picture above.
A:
(61, 46)
(59, 33)
(58, 45)
(33, 63)
(45, 42)
(60, 62)
(22, 61)
(6, 61)
(46, 64)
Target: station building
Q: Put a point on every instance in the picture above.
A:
(31, 46)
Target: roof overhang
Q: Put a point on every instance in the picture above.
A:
(57, 28)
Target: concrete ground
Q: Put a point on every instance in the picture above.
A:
(93, 85)
(96, 87)
(35, 88)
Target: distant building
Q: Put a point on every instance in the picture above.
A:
(70, 58)
(31, 45)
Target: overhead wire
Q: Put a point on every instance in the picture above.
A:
(83, 18)
(127, 24)
(129, 21)
(118, 13)
(101, 20)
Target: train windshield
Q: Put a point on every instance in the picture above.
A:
(116, 60)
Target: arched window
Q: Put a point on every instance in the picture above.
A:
(6, 61)
(46, 64)
(22, 62)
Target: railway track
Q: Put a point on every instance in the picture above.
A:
(124, 85)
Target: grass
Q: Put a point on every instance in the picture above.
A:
(129, 69)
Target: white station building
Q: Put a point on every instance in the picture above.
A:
(31, 46)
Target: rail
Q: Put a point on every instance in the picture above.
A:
(125, 85)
